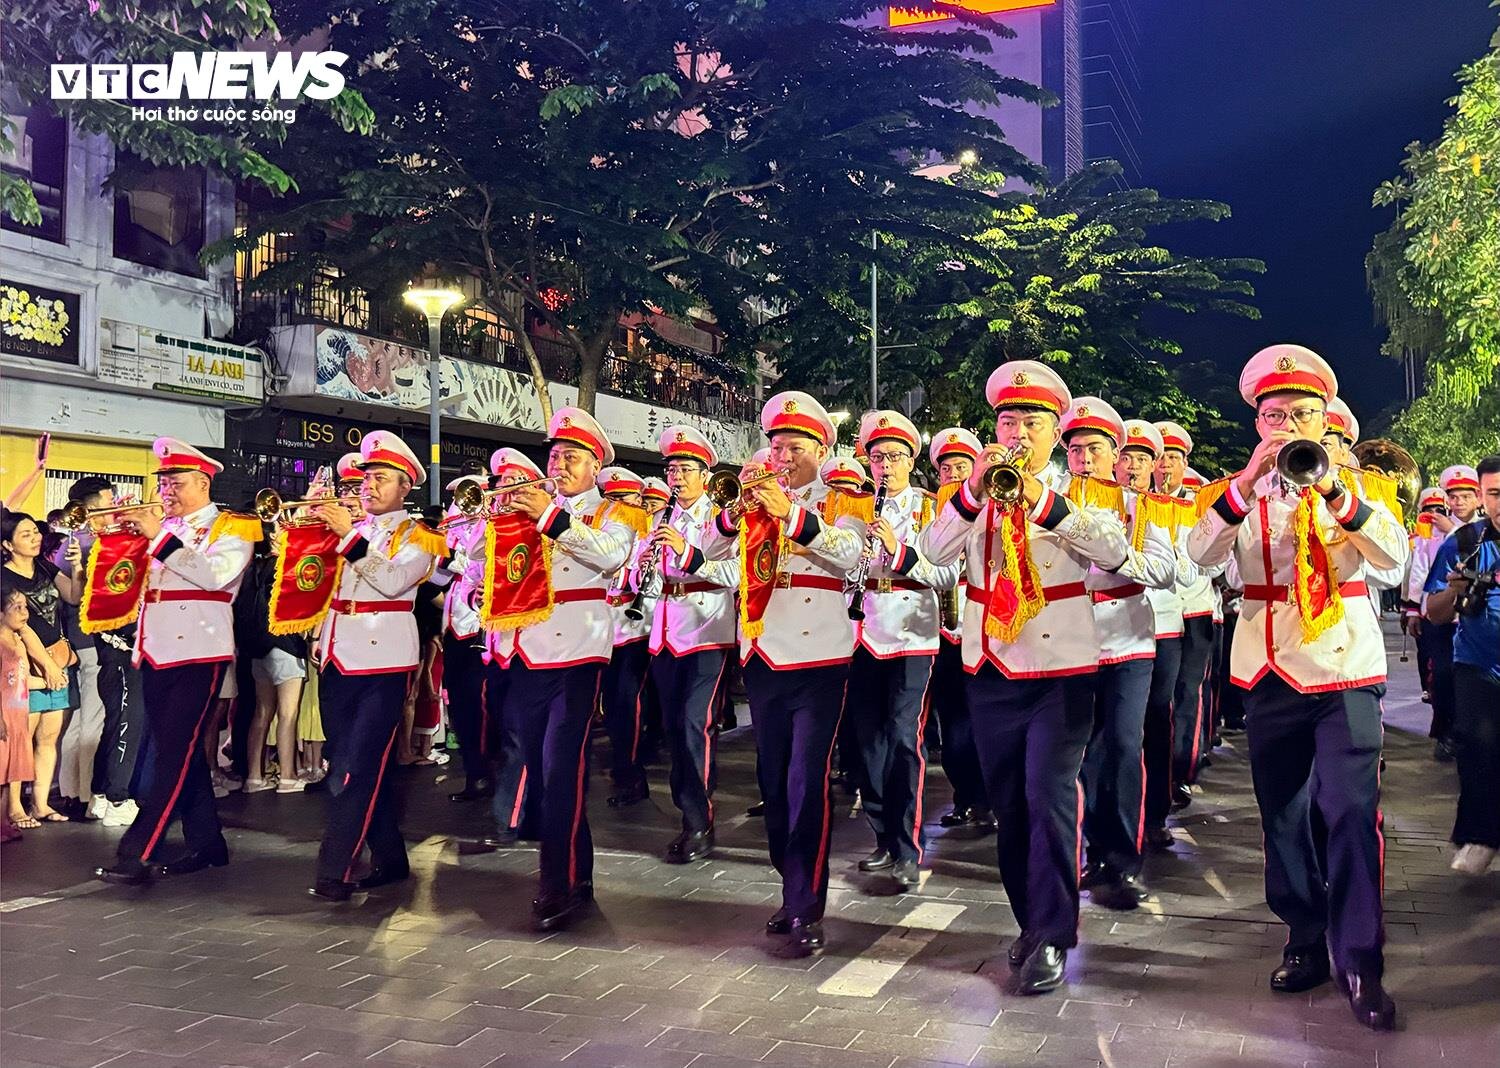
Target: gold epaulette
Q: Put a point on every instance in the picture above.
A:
(1097, 493)
(840, 503)
(236, 524)
(947, 493)
(1207, 497)
(1160, 511)
(1377, 486)
(634, 518)
(415, 532)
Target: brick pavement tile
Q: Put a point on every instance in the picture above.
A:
(694, 1019)
(543, 1047)
(64, 1028)
(227, 1053)
(792, 1005)
(610, 1055)
(1137, 1012)
(427, 1055)
(1175, 1039)
(932, 1049)
(415, 989)
(148, 1039)
(314, 1038)
(628, 1032)
(326, 994)
(79, 1008)
(746, 1047)
(613, 1009)
(801, 1053)
(798, 1032)
(886, 1023)
(438, 1008)
(370, 1023)
(507, 1019)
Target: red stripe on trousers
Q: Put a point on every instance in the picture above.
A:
(515, 810)
(578, 793)
(708, 737)
(166, 816)
(359, 843)
(916, 822)
(820, 869)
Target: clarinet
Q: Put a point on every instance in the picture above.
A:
(860, 576)
(649, 568)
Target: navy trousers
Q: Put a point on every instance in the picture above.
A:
(796, 713)
(1435, 646)
(552, 709)
(1158, 735)
(690, 686)
(624, 702)
(361, 716)
(463, 680)
(1321, 749)
(950, 700)
(1476, 730)
(1114, 767)
(1031, 735)
(1229, 703)
(513, 805)
(888, 707)
(178, 701)
(1187, 697)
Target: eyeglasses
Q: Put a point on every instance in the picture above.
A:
(1274, 417)
(684, 468)
(895, 456)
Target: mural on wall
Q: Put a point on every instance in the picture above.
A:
(357, 367)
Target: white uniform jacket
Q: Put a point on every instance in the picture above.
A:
(1360, 537)
(1123, 614)
(1166, 604)
(622, 595)
(187, 614)
(588, 548)
(807, 618)
(695, 610)
(901, 601)
(370, 628)
(1423, 552)
(1198, 596)
(1065, 540)
(461, 596)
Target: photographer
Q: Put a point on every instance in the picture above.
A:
(1462, 588)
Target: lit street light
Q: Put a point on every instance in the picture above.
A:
(432, 301)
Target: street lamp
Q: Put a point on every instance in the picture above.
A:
(432, 301)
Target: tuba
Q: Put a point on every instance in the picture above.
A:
(1388, 458)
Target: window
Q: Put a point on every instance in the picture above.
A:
(159, 214)
(39, 155)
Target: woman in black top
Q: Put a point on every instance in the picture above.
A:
(45, 588)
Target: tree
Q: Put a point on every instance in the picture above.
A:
(39, 34)
(1435, 274)
(1063, 275)
(587, 159)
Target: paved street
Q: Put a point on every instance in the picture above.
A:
(238, 966)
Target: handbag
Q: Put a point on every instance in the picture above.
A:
(62, 654)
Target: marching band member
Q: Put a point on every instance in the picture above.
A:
(1427, 535)
(551, 632)
(367, 649)
(184, 643)
(1114, 763)
(952, 452)
(1032, 654)
(895, 645)
(1309, 652)
(349, 480)
(654, 495)
(1339, 438)
(1138, 461)
(626, 674)
(843, 473)
(463, 647)
(1199, 604)
(799, 541)
(692, 628)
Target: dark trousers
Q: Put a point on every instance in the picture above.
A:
(1436, 649)
(624, 693)
(463, 680)
(949, 699)
(796, 713)
(1187, 697)
(1208, 722)
(178, 701)
(1114, 767)
(690, 686)
(552, 709)
(1230, 702)
(888, 707)
(1031, 735)
(514, 806)
(1476, 730)
(1321, 749)
(1158, 737)
(361, 717)
(124, 723)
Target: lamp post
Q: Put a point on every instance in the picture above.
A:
(432, 301)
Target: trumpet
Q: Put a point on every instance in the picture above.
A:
(726, 488)
(1005, 482)
(470, 499)
(1302, 463)
(269, 506)
(76, 515)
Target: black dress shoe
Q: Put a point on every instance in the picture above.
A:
(186, 865)
(1159, 838)
(981, 819)
(476, 791)
(780, 923)
(757, 809)
(1301, 970)
(1182, 797)
(630, 795)
(1442, 751)
(1020, 949)
(124, 873)
(807, 935)
(955, 817)
(907, 875)
(382, 877)
(1122, 893)
(499, 840)
(1043, 970)
(1095, 873)
(1371, 1005)
(879, 860)
(331, 890)
(551, 913)
(690, 846)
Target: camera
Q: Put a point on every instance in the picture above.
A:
(1471, 601)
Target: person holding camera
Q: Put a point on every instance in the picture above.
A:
(1462, 590)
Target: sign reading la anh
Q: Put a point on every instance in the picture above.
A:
(146, 359)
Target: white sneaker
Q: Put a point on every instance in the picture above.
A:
(97, 805)
(1473, 859)
(121, 815)
(224, 782)
(255, 786)
(291, 786)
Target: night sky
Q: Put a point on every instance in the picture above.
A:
(1292, 113)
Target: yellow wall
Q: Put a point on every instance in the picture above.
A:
(18, 458)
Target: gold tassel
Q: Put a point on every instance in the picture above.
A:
(1027, 610)
(1312, 624)
(235, 524)
(1208, 496)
